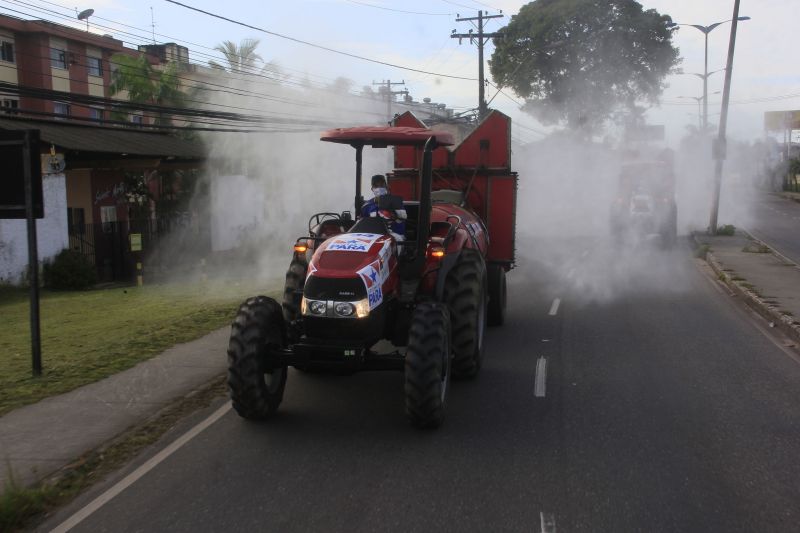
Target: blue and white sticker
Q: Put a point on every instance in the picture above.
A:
(353, 242)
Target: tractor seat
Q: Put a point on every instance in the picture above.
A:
(370, 225)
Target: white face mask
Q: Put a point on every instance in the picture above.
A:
(379, 191)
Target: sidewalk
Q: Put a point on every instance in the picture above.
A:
(766, 282)
(39, 439)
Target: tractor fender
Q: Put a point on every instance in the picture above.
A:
(450, 260)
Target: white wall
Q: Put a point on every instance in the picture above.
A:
(237, 210)
(51, 232)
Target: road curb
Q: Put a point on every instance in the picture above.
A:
(785, 323)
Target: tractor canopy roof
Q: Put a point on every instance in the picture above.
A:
(382, 136)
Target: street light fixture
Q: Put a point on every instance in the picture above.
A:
(706, 30)
(699, 99)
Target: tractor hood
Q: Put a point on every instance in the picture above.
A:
(360, 261)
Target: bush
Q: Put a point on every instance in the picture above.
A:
(69, 270)
(727, 230)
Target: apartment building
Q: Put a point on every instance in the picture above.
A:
(43, 66)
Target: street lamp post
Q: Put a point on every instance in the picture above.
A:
(703, 117)
(706, 30)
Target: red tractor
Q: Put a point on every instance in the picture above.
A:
(352, 284)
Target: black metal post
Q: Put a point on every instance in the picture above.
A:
(33, 261)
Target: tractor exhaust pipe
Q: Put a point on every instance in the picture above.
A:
(424, 224)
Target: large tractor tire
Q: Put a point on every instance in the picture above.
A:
(427, 365)
(465, 295)
(295, 280)
(496, 314)
(255, 391)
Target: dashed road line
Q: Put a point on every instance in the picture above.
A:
(554, 307)
(540, 383)
(547, 521)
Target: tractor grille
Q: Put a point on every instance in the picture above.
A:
(339, 289)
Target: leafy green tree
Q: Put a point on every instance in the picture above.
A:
(579, 61)
(146, 84)
(241, 58)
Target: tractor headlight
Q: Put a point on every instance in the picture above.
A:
(362, 308)
(329, 308)
(344, 308)
(313, 307)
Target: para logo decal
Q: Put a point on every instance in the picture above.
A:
(353, 242)
(373, 275)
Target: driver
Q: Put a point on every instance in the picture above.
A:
(387, 206)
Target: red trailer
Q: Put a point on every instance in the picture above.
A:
(476, 174)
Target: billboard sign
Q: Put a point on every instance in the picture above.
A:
(781, 120)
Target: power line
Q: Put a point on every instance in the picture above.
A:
(319, 46)
(399, 10)
(237, 91)
(145, 39)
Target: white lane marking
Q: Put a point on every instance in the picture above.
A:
(554, 307)
(134, 476)
(540, 384)
(547, 522)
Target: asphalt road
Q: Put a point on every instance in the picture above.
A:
(776, 221)
(664, 409)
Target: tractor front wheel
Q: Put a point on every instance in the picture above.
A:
(427, 365)
(295, 280)
(256, 391)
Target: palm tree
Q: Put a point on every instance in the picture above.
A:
(241, 58)
(145, 84)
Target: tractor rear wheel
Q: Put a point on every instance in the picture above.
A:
(295, 280)
(427, 365)
(255, 391)
(497, 295)
(465, 294)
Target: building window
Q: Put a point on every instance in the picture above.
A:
(10, 106)
(137, 119)
(96, 114)
(58, 58)
(95, 65)
(7, 51)
(61, 109)
(108, 217)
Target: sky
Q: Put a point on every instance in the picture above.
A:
(416, 34)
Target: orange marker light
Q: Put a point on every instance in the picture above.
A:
(437, 253)
(300, 248)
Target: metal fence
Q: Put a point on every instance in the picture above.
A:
(168, 244)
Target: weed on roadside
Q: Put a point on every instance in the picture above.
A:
(701, 251)
(755, 248)
(19, 504)
(727, 230)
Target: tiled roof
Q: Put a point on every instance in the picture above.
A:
(97, 139)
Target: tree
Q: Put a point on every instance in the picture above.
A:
(241, 58)
(145, 84)
(579, 61)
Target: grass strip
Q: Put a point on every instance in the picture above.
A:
(89, 335)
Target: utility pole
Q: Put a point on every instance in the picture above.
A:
(390, 94)
(719, 147)
(480, 37)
